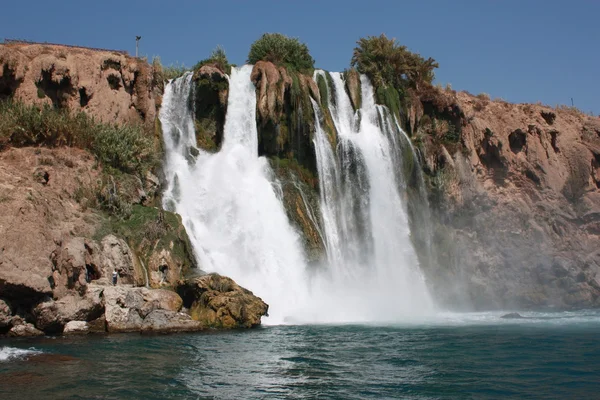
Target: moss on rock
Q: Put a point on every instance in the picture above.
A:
(159, 242)
(300, 198)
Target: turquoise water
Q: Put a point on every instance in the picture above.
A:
(461, 356)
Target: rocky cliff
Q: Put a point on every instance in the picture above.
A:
(110, 86)
(515, 193)
(69, 220)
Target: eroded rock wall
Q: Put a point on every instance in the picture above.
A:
(516, 206)
(110, 86)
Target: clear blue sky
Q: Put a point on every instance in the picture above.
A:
(522, 51)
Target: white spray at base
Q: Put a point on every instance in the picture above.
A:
(238, 226)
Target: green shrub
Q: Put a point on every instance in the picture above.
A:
(218, 59)
(282, 50)
(127, 148)
(386, 62)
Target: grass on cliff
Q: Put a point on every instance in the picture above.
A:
(127, 148)
(282, 50)
(149, 229)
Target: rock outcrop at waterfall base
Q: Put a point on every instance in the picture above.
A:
(53, 271)
(66, 224)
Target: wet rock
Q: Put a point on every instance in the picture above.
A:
(513, 315)
(76, 328)
(98, 325)
(25, 330)
(353, 87)
(219, 302)
(164, 321)
(5, 315)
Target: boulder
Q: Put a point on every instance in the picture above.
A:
(76, 328)
(24, 330)
(122, 308)
(69, 267)
(116, 255)
(164, 321)
(85, 308)
(47, 317)
(217, 301)
(5, 315)
(160, 299)
(512, 315)
(127, 308)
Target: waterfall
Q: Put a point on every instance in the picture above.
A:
(365, 217)
(227, 200)
(230, 203)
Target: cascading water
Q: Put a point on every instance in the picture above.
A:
(238, 227)
(365, 220)
(235, 220)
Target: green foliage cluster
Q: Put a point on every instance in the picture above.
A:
(161, 74)
(286, 166)
(301, 112)
(390, 97)
(218, 59)
(387, 63)
(126, 148)
(282, 50)
(149, 229)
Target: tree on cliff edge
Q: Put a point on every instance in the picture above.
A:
(387, 63)
(282, 50)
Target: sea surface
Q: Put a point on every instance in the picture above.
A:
(455, 356)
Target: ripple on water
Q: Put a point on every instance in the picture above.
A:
(473, 360)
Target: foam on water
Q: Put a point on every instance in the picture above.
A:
(12, 353)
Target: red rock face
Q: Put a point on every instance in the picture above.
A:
(522, 207)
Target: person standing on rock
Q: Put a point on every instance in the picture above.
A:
(114, 277)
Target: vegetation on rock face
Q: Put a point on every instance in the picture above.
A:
(217, 59)
(211, 90)
(301, 200)
(282, 50)
(126, 147)
(150, 230)
(162, 74)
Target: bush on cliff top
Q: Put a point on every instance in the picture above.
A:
(387, 63)
(126, 148)
(282, 50)
(217, 59)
